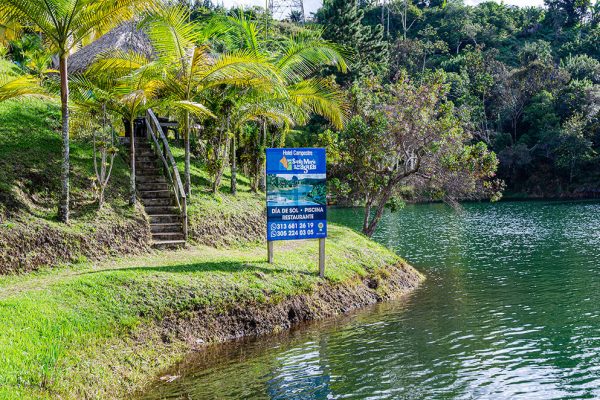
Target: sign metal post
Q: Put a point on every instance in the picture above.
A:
(270, 251)
(297, 197)
(322, 258)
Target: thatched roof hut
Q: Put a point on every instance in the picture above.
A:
(125, 37)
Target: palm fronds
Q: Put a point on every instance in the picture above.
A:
(194, 108)
(320, 97)
(13, 84)
(172, 35)
(66, 22)
(303, 56)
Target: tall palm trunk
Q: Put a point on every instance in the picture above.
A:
(262, 180)
(132, 199)
(234, 163)
(222, 154)
(63, 208)
(186, 138)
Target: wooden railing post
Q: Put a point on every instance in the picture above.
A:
(159, 139)
(184, 218)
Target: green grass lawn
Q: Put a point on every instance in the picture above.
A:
(222, 219)
(70, 333)
(30, 162)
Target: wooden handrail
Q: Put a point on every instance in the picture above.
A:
(169, 165)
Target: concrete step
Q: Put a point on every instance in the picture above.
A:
(167, 236)
(166, 228)
(159, 201)
(168, 244)
(153, 171)
(144, 179)
(152, 159)
(148, 186)
(155, 194)
(161, 210)
(140, 165)
(164, 219)
(144, 153)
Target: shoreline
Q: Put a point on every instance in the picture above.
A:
(252, 321)
(109, 330)
(328, 301)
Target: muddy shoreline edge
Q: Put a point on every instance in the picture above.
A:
(208, 327)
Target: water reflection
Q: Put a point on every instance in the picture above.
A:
(510, 311)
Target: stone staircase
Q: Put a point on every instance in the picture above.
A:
(157, 198)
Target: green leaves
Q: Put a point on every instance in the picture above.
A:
(172, 35)
(320, 97)
(276, 83)
(67, 22)
(193, 107)
(302, 56)
(14, 85)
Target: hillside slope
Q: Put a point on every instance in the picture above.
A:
(30, 159)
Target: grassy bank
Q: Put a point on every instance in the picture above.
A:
(102, 331)
(222, 219)
(30, 236)
(30, 161)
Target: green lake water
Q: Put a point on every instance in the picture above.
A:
(510, 310)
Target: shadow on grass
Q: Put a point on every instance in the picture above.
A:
(229, 267)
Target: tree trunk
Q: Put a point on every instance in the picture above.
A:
(262, 181)
(372, 225)
(132, 199)
(405, 19)
(367, 215)
(234, 164)
(387, 36)
(101, 198)
(220, 155)
(186, 138)
(63, 207)
(256, 174)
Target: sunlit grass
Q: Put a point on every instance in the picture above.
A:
(67, 332)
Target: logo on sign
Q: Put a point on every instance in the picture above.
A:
(285, 164)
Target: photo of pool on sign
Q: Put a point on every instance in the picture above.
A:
(296, 190)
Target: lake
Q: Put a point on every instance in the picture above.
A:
(510, 310)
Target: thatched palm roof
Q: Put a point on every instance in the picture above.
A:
(124, 37)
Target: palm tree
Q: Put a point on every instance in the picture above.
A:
(298, 60)
(64, 24)
(258, 107)
(190, 70)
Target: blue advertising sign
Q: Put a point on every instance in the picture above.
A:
(296, 194)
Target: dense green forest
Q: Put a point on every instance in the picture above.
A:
(526, 80)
